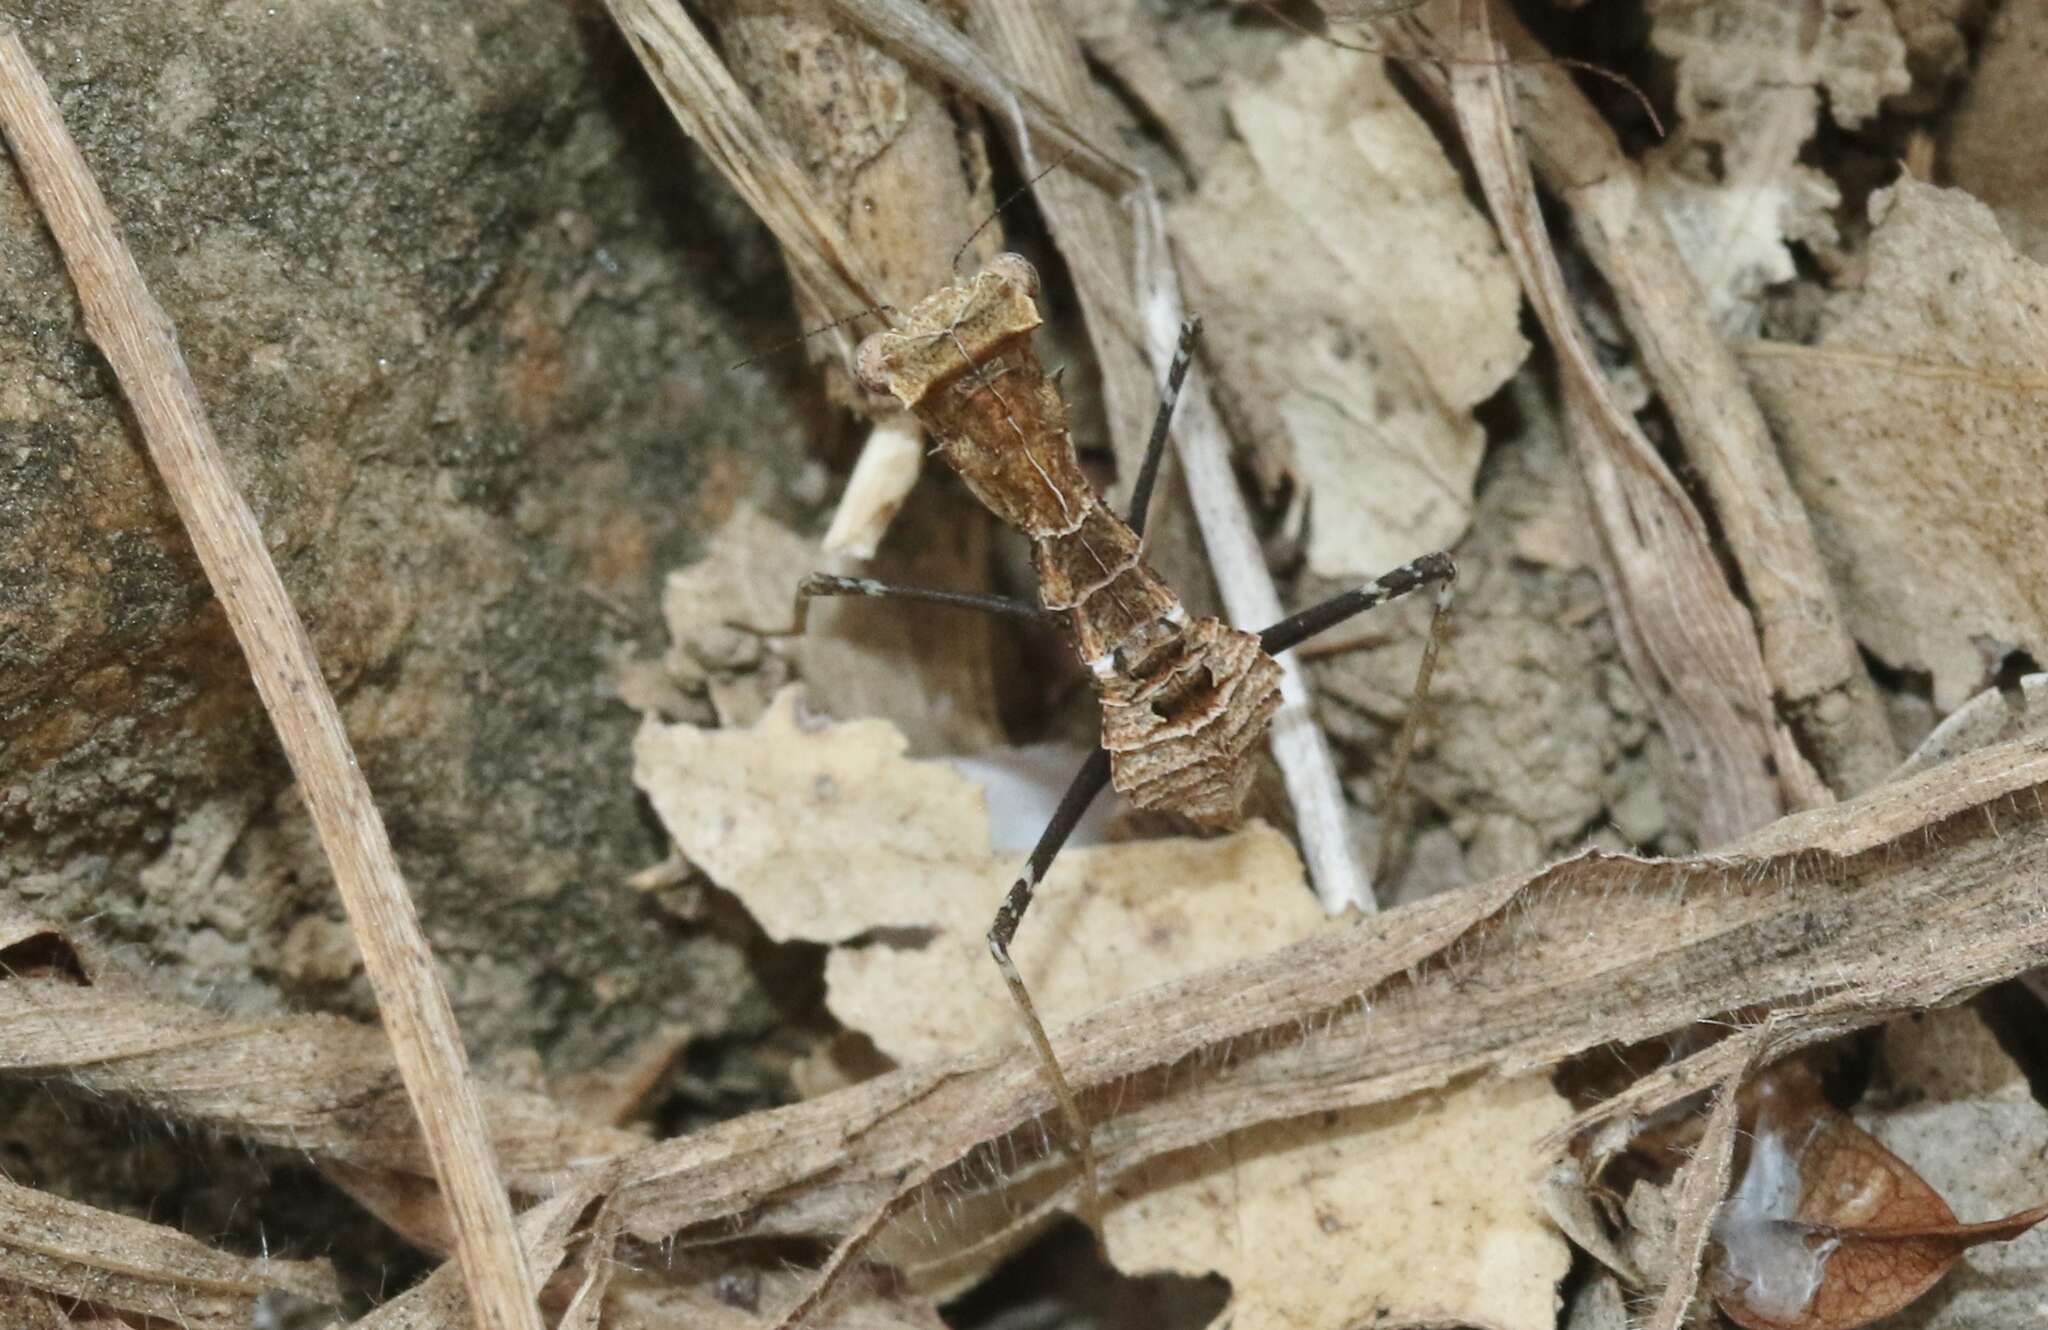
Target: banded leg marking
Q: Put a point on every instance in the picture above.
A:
(1155, 447)
(1430, 570)
(830, 584)
(1087, 783)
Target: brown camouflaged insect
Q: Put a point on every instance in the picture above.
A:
(1185, 700)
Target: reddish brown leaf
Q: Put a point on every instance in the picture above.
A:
(1829, 1230)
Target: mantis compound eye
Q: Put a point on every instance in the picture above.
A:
(871, 364)
(1014, 269)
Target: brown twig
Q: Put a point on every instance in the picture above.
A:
(1824, 917)
(1032, 38)
(1698, 1189)
(1814, 666)
(918, 36)
(1689, 642)
(140, 344)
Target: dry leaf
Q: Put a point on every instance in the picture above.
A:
(706, 1290)
(1568, 1198)
(1419, 1212)
(615, 1092)
(1912, 431)
(1992, 716)
(1599, 1305)
(1131, 42)
(897, 851)
(316, 1084)
(1829, 1230)
(905, 176)
(1238, 564)
(1957, 1105)
(886, 154)
(788, 802)
(1735, 216)
(1520, 972)
(24, 1309)
(1821, 919)
(926, 40)
(547, 1230)
(1358, 305)
(1108, 921)
(894, 857)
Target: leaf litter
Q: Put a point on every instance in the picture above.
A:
(1338, 209)
(1910, 427)
(895, 866)
(1820, 919)
(1753, 79)
(1228, 1093)
(1828, 1229)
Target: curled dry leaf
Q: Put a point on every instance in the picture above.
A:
(1690, 644)
(1829, 1230)
(1955, 1103)
(1988, 718)
(1816, 672)
(1911, 429)
(892, 861)
(1358, 305)
(1689, 1203)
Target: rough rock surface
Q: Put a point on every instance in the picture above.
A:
(461, 305)
(1537, 737)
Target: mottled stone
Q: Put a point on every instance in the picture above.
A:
(461, 304)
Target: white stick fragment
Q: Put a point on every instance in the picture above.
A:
(1203, 446)
(889, 464)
